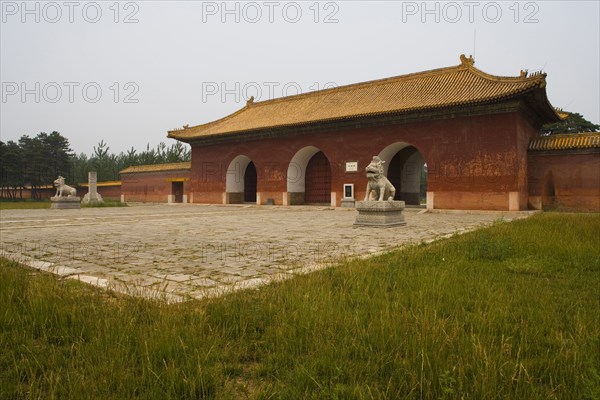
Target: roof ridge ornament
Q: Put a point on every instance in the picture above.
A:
(467, 62)
(250, 101)
(538, 73)
(523, 73)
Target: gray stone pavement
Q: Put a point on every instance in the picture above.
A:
(180, 251)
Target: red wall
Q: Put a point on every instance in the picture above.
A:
(107, 192)
(152, 187)
(110, 192)
(573, 177)
(44, 194)
(473, 162)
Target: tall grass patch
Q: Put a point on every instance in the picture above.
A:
(510, 311)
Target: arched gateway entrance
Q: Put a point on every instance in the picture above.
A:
(318, 180)
(309, 178)
(250, 183)
(407, 171)
(241, 181)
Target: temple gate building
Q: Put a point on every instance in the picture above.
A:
(453, 138)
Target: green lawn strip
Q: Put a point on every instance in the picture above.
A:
(23, 204)
(30, 204)
(106, 203)
(510, 311)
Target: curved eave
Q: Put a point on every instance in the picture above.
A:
(173, 133)
(546, 109)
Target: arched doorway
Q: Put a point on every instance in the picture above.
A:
(309, 177)
(318, 180)
(250, 181)
(241, 181)
(407, 171)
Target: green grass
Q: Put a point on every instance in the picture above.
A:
(507, 312)
(106, 203)
(33, 204)
(23, 204)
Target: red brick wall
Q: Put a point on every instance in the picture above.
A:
(107, 192)
(473, 162)
(151, 187)
(110, 192)
(44, 194)
(574, 178)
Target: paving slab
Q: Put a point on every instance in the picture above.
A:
(185, 251)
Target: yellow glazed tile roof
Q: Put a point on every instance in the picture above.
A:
(157, 168)
(453, 86)
(589, 140)
(102, 184)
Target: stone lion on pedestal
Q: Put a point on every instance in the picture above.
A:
(378, 184)
(62, 189)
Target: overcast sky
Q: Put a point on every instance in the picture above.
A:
(127, 72)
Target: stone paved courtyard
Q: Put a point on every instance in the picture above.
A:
(193, 251)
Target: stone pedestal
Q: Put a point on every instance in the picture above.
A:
(348, 203)
(381, 214)
(88, 200)
(234, 197)
(295, 198)
(65, 203)
(92, 196)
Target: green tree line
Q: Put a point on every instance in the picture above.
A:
(37, 161)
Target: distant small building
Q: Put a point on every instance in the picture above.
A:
(160, 183)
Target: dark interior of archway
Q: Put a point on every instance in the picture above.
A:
(250, 183)
(398, 169)
(318, 180)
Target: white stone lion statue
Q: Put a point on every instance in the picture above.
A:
(378, 184)
(62, 189)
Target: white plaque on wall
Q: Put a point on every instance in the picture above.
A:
(352, 166)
